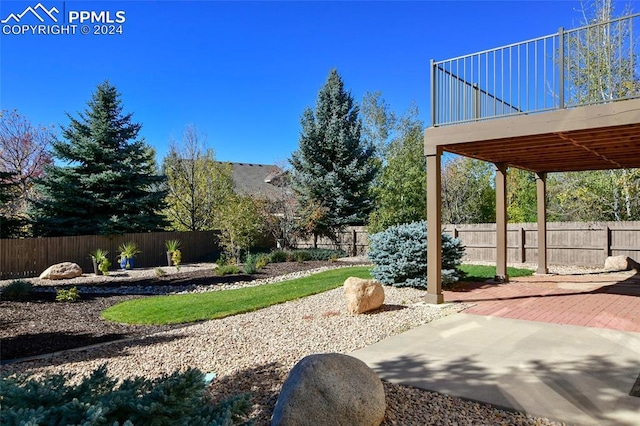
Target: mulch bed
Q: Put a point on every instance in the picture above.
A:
(41, 325)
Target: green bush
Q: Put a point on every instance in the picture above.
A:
(278, 256)
(18, 289)
(301, 255)
(227, 269)
(250, 264)
(176, 258)
(323, 254)
(262, 260)
(178, 398)
(71, 295)
(399, 254)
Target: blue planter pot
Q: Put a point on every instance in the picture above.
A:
(126, 263)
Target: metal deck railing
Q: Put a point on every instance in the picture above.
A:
(596, 63)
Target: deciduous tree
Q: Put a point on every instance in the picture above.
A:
(197, 185)
(468, 194)
(23, 156)
(241, 224)
(400, 191)
(601, 67)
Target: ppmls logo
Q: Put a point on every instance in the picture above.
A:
(49, 21)
(43, 11)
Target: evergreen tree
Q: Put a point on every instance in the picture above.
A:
(333, 168)
(110, 183)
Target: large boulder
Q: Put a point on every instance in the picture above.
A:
(61, 271)
(620, 263)
(363, 295)
(333, 389)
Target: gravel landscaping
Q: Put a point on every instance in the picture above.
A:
(253, 352)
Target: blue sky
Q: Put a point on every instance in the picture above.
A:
(243, 72)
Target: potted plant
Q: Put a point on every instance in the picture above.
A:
(100, 262)
(127, 252)
(172, 246)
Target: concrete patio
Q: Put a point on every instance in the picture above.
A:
(562, 347)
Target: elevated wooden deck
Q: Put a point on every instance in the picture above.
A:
(594, 137)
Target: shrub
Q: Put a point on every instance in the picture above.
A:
(278, 256)
(103, 266)
(262, 260)
(71, 295)
(176, 258)
(172, 245)
(18, 289)
(178, 398)
(100, 257)
(250, 264)
(301, 255)
(324, 254)
(227, 269)
(400, 256)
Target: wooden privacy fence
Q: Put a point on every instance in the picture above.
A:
(353, 240)
(21, 258)
(568, 243)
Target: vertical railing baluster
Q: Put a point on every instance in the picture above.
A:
(433, 93)
(561, 66)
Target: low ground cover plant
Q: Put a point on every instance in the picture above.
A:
(399, 254)
(16, 290)
(71, 295)
(227, 269)
(52, 399)
(301, 255)
(184, 308)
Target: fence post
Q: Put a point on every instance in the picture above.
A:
(523, 238)
(354, 247)
(607, 241)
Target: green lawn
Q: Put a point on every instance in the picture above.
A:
(185, 308)
(483, 272)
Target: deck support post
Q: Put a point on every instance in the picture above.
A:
(541, 187)
(501, 223)
(434, 226)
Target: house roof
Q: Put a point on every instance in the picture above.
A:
(258, 180)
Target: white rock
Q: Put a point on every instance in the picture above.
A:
(620, 263)
(61, 271)
(363, 295)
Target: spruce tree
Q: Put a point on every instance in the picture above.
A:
(333, 168)
(109, 183)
